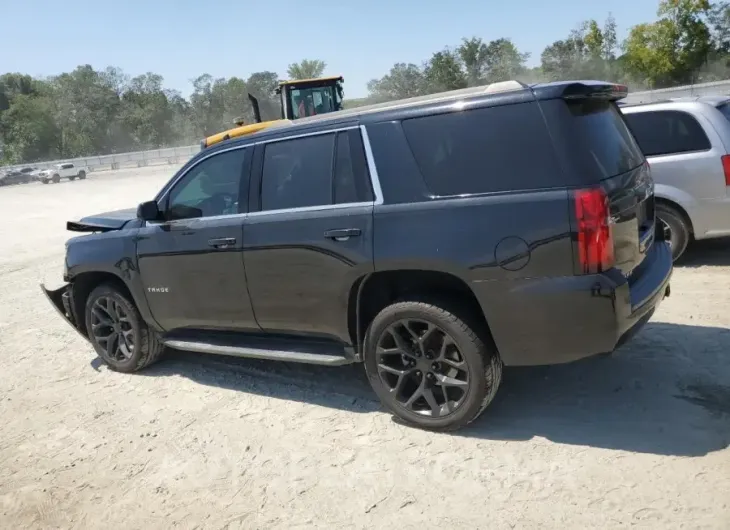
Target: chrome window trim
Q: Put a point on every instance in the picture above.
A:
(369, 157)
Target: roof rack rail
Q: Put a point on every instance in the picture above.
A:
(504, 86)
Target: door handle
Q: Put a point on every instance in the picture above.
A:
(222, 242)
(342, 234)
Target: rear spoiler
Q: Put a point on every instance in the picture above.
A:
(595, 90)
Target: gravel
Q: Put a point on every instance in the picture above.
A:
(639, 438)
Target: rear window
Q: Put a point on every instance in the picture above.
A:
(484, 150)
(666, 132)
(725, 110)
(600, 130)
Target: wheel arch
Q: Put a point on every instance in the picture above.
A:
(677, 199)
(680, 210)
(373, 292)
(82, 286)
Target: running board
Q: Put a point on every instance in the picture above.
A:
(225, 347)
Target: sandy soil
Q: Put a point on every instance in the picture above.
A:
(637, 439)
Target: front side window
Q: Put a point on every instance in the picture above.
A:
(666, 132)
(210, 188)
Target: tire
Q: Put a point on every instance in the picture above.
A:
(146, 347)
(480, 363)
(82, 175)
(44, 181)
(56, 179)
(72, 178)
(678, 228)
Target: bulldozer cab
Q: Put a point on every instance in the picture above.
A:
(310, 97)
(297, 99)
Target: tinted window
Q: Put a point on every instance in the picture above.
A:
(352, 181)
(298, 173)
(725, 110)
(600, 131)
(666, 132)
(210, 188)
(483, 150)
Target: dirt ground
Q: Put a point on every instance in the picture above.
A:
(637, 439)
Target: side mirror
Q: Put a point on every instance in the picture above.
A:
(148, 211)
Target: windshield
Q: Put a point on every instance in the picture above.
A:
(312, 101)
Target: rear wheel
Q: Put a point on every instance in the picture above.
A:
(429, 367)
(72, 177)
(116, 330)
(56, 179)
(680, 233)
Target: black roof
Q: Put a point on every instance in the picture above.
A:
(501, 93)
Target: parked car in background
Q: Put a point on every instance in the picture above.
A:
(687, 143)
(17, 176)
(62, 171)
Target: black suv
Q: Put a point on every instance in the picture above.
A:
(433, 239)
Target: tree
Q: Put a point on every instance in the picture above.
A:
(307, 69)
(444, 72)
(503, 61)
(673, 49)
(403, 81)
(28, 130)
(473, 53)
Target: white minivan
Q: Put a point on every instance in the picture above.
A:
(687, 144)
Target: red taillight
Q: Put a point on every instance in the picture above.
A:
(726, 168)
(595, 238)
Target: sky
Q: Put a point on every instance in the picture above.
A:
(181, 39)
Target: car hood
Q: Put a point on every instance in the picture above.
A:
(103, 222)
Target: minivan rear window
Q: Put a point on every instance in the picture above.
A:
(724, 108)
(600, 129)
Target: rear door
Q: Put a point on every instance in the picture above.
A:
(309, 235)
(685, 153)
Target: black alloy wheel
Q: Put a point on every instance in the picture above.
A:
(112, 329)
(422, 367)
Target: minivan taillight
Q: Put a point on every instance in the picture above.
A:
(595, 237)
(726, 168)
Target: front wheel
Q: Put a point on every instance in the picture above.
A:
(82, 174)
(116, 330)
(429, 367)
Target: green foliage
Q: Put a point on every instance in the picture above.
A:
(307, 69)
(89, 112)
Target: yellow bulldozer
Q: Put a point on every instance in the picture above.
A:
(299, 98)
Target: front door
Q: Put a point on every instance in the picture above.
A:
(191, 263)
(312, 236)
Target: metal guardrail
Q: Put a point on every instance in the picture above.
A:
(176, 155)
(715, 88)
(170, 155)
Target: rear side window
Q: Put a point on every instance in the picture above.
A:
(315, 171)
(666, 132)
(493, 149)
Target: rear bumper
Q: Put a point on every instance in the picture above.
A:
(557, 320)
(62, 301)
